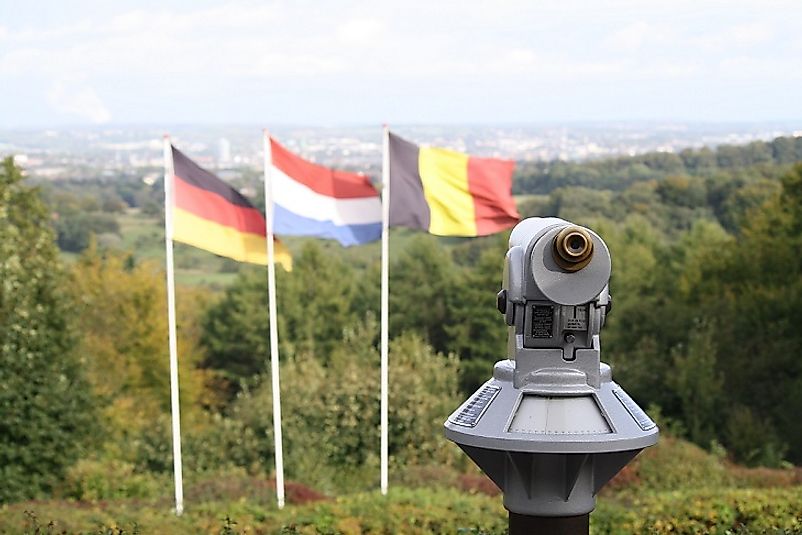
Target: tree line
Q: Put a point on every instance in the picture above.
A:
(707, 286)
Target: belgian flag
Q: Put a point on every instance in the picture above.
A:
(211, 215)
(449, 193)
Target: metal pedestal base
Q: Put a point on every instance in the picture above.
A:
(549, 525)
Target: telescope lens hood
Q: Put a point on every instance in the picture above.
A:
(570, 265)
(573, 248)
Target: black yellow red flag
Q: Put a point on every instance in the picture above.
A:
(209, 214)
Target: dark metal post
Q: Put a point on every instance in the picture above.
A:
(549, 525)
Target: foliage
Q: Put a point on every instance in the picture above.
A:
(74, 231)
(697, 383)
(215, 443)
(673, 464)
(475, 329)
(419, 511)
(80, 211)
(47, 410)
(419, 307)
(109, 480)
(333, 411)
(402, 511)
(707, 287)
(314, 301)
(707, 511)
(620, 173)
(120, 309)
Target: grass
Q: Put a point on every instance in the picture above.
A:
(142, 236)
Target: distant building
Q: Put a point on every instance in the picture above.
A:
(223, 151)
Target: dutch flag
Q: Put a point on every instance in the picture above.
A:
(312, 200)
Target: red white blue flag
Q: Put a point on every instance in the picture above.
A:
(312, 200)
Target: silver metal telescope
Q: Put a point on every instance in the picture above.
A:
(550, 428)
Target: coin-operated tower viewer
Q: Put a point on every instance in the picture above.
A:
(550, 428)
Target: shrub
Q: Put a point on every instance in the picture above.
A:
(331, 411)
(91, 480)
(709, 511)
(677, 464)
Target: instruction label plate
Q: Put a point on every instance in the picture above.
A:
(476, 407)
(632, 408)
(542, 321)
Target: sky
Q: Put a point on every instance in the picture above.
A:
(93, 62)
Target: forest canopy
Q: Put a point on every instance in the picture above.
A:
(707, 288)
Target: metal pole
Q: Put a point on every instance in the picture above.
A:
(271, 297)
(549, 525)
(385, 292)
(175, 410)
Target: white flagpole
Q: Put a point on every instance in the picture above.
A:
(384, 304)
(271, 297)
(174, 405)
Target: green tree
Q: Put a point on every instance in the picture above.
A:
(314, 306)
(331, 413)
(754, 291)
(698, 385)
(235, 329)
(421, 289)
(682, 191)
(122, 318)
(47, 412)
(315, 300)
(476, 329)
(74, 230)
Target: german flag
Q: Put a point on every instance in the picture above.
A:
(211, 215)
(449, 193)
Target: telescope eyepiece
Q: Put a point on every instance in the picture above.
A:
(573, 248)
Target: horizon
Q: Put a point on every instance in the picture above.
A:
(358, 147)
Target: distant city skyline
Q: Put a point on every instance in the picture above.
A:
(107, 151)
(358, 62)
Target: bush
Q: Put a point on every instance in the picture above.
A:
(74, 230)
(90, 480)
(407, 511)
(709, 511)
(676, 464)
(752, 439)
(331, 411)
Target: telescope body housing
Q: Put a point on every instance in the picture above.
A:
(550, 428)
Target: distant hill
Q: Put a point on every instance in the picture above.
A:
(620, 173)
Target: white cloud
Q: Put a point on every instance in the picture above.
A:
(236, 40)
(520, 57)
(285, 39)
(78, 99)
(751, 34)
(738, 35)
(632, 36)
(431, 47)
(360, 31)
(760, 69)
(26, 35)
(671, 69)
